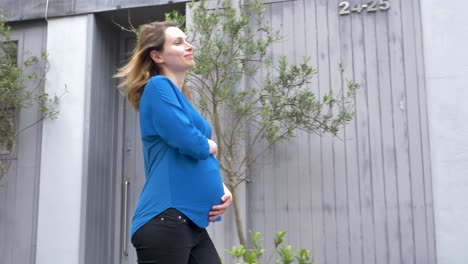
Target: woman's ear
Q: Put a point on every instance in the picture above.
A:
(156, 56)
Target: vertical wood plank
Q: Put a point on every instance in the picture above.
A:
(258, 191)
(388, 144)
(269, 169)
(326, 159)
(320, 239)
(292, 175)
(338, 143)
(303, 166)
(324, 81)
(362, 130)
(314, 152)
(400, 125)
(427, 179)
(280, 150)
(351, 150)
(414, 133)
(375, 135)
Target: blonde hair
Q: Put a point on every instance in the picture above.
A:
(141, 67)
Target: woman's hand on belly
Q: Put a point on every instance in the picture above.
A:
(218, 210)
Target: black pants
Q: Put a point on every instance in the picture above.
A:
(171, 238)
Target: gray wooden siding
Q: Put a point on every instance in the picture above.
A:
(366, 198)
(19, 189)
(102, 187)
(18, 10)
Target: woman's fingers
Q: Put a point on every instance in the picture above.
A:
(218, 210)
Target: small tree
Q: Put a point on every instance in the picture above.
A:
(14, 94)
(231, 45)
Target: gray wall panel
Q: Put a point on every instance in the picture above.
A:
(19, 188)
(366, 198)
(102, 148)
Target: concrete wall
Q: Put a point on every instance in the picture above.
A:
(446, 60)
(60, 193)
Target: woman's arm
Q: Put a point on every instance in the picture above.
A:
(161, 110)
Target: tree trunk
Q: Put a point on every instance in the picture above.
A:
(238, 217)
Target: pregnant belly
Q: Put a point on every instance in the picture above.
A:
(201, 185)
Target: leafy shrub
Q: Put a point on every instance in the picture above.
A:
(282, 254)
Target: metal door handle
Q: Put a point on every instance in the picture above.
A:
(125, 219)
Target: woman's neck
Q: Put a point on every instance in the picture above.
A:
(177, 78)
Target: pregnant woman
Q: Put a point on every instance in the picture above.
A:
(184, 190)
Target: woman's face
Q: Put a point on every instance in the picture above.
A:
(177, 53)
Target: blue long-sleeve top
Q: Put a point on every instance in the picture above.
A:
(180, 172)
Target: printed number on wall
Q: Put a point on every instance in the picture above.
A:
(372, 6)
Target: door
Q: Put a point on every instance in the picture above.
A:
(133, 177)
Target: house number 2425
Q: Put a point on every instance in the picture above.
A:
(372, 6)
